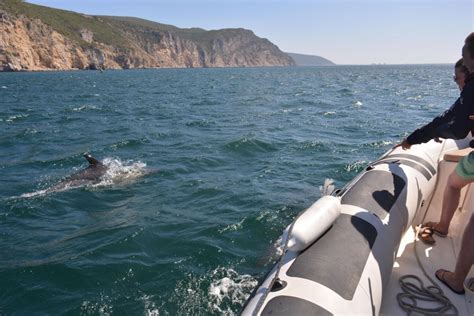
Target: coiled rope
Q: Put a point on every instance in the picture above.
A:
(414, 291)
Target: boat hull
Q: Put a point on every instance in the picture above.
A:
(346, 269)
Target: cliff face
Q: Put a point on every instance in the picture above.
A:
(40, 38)
(31, 45)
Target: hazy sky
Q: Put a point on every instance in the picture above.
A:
(344, 31)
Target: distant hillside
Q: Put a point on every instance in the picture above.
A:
(40, 38)
(310, 60)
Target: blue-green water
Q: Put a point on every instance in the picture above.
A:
(224, 159)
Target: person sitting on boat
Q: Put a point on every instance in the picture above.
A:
(462, 121)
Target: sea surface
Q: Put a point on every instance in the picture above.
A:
(207, 168)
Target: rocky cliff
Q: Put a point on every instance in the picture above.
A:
(39, 38)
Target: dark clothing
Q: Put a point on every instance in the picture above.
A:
(453, 123)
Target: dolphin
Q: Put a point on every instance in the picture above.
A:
(90, 175)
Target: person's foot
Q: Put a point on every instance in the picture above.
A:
(436, 228)
(448, 279)
(426, 236)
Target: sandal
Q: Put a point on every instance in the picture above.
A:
(426, 236)
(440, 276)
(431, 226)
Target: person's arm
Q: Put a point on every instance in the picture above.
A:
(428, 132)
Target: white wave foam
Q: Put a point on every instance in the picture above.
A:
(119, 172)
(32, 194)
(229, 288)
(232, 227)
(84, 107)
(53, 189)
(150, 306)
(16, 117)
(31, 131)
(415, 98)
(356, 166)
(102, 307)
(226, 291)
(278, 245)
(381, 143)
(268, 216)
(386, 143)
(4, 87)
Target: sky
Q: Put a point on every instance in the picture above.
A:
(343, 31)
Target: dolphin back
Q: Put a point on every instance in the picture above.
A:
(91, 174)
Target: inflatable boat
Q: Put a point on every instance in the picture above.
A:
(345, 253)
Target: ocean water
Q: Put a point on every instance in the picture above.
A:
(207, 167)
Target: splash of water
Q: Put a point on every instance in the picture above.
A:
(328, 187)
(218, 292)
(231, 288)
(119, 172)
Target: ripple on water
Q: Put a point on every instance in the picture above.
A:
(241, 157)
(129, 143)
(200, 123)
(312, 146)
(250, 146)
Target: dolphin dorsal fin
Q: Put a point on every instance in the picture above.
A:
(92, 161)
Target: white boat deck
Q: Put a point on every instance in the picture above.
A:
(442, 254)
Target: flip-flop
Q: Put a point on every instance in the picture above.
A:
(431, 225)
(440, 276)
(426, 236)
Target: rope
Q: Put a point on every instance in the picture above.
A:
(414, 292)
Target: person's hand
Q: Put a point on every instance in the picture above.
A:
(404, 144)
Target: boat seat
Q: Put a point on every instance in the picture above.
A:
(457, 155)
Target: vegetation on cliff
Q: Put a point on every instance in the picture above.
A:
(67, 23)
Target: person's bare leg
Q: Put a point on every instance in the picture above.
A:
(451, 196)
(465, 259)
(466, 255)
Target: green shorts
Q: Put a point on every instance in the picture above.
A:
(465, 167)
